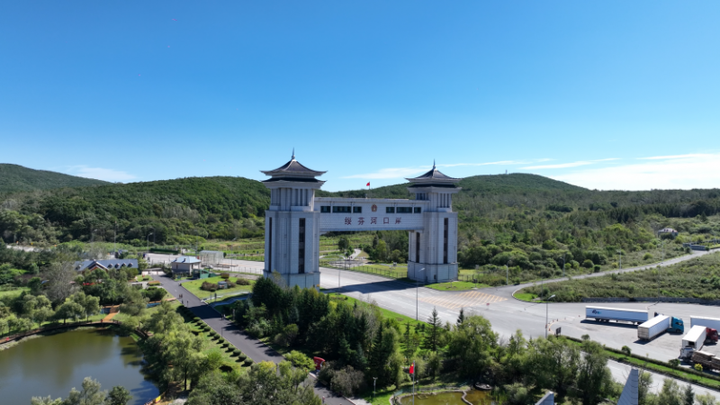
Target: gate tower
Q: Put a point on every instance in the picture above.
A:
(292, 230)
(434, 248)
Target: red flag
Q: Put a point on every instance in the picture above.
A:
(368, 185)
(412, 368)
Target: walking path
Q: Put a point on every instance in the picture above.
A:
(253, 348)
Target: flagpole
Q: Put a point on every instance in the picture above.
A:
(413, 366)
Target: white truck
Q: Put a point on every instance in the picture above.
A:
(606, 314)
(712, 323)
(659, 325)
(693, 340)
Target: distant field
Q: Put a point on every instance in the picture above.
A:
(697, 278)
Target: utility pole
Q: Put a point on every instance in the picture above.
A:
(507, 275)
(546, 313)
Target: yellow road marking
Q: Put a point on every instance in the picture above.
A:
(466, 299)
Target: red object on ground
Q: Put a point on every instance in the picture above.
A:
(318, 362)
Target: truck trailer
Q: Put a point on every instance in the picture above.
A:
(712, 323)
(695, 339)
(606, 314)
(659, 325)
(707, 360)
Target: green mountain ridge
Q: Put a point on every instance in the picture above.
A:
(16, 178)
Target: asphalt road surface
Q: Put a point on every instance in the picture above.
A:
(253, 348)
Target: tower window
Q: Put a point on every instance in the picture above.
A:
(357, 210)
(389, 210)
(301, 247)
(325, 209)
(418, 210)
(346, 210)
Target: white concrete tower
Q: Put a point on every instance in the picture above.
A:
(435, 247)
(292, 226)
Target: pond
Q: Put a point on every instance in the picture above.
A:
(52, 365)
(475, 397)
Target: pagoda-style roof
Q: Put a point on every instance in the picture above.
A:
(433, 177)
(292, 171)
(293, 168)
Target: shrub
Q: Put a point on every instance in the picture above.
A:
(647, 256)
(698, 367)
(626, 350)
(242, 356)
(154, 293)
(300, 360)
(588, 264)
(230, 284)
(225, 276)
(209, 286)
(225, 344)
(596, 268)
(242, 281)
(237, 352)
(347, 381)
(153, 283)
(674, 362)
(248, 362)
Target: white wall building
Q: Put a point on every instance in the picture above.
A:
(296, 219)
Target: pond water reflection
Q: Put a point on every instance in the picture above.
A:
(52, 365)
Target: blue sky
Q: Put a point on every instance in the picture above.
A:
(607, 95)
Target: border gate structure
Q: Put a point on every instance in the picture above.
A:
(296, 219)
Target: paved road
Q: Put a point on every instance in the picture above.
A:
(253, 348)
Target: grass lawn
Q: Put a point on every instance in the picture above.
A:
(456, 286)
(13, 292)
(194, 287)
(525, 296)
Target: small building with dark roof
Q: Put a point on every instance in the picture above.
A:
(90, 265)
(185, 265)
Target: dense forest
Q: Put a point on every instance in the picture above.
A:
(15, 178)
(528, 222)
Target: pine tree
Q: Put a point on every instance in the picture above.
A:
(461, 317)
(432, 332)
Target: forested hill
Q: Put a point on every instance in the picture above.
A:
(503, 183)
(520, 209)
(14, 178)
(175, 211)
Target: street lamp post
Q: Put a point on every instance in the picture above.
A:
(417, 292)
(147, 241)
(546, 313)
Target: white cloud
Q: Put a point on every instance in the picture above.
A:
(669, 172)
(402, 172)
(566, 165)
(676, 156)
(100, 173)
(390, 173)
(502, 162)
